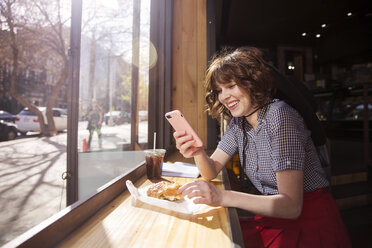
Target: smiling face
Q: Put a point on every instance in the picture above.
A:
(237, 82)
(235, 98)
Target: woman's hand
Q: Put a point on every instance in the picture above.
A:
(185, 144)
(202, 192)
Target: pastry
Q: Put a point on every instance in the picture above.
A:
(165, 190)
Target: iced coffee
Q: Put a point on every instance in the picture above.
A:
(154, 162)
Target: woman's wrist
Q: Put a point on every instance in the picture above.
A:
(199, 153)
(225, 198)
(205, 165)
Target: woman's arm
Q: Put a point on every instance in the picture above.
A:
(287, 204)
(209, 167)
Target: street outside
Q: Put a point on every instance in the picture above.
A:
(31, 186)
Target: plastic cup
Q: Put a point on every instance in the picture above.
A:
(154, 162)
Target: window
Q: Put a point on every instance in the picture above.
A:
(113, 90)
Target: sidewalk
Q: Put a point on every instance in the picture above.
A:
(31, 187)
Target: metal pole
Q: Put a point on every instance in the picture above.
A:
(135, 65)
(366, 128)
(73, 103)
(212, 124)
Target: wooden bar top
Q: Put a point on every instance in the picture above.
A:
(128, 223)
(111, 218)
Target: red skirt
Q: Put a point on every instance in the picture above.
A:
(319, 225)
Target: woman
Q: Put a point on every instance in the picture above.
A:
(95, 119)
(295, 208)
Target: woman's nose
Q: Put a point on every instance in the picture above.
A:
(224, 94)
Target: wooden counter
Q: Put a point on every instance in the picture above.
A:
(124, 224)
(110, 219)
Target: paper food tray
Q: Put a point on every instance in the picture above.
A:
(185, 206)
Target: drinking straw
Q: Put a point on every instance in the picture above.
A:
(154, 140)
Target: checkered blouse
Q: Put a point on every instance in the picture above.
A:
(280, 142)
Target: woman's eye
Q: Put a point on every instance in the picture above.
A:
(232, 86)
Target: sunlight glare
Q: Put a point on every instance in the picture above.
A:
(153, 56)
(111, 4)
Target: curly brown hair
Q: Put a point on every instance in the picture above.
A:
(244, 66)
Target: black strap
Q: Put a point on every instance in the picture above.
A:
(244, 181)
(299, 97)
(260, 107)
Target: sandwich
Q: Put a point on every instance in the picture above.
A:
(165, 190)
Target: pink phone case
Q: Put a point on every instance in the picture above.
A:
(179, 123)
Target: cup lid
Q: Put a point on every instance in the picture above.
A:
(157, 151)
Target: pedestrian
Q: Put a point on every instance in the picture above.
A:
(95, 119)
(294, 207)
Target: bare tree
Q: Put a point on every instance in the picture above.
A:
(55, 39)
(36, 38)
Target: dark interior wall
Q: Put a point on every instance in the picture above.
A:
(281, 23)
(350, 45)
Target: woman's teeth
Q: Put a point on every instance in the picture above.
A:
(231, 105)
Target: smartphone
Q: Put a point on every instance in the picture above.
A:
(179, 123)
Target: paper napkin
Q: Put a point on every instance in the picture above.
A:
(180, 169)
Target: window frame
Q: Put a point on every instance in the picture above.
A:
(159, 84)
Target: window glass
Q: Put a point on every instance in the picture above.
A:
(343, 104)
(38, 32)
(106, 97)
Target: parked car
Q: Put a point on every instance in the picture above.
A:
(351, 125)
(342, 113)
(8, 117)
(358, 112)
(116, 117)
(8, 131)
(27, 121)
